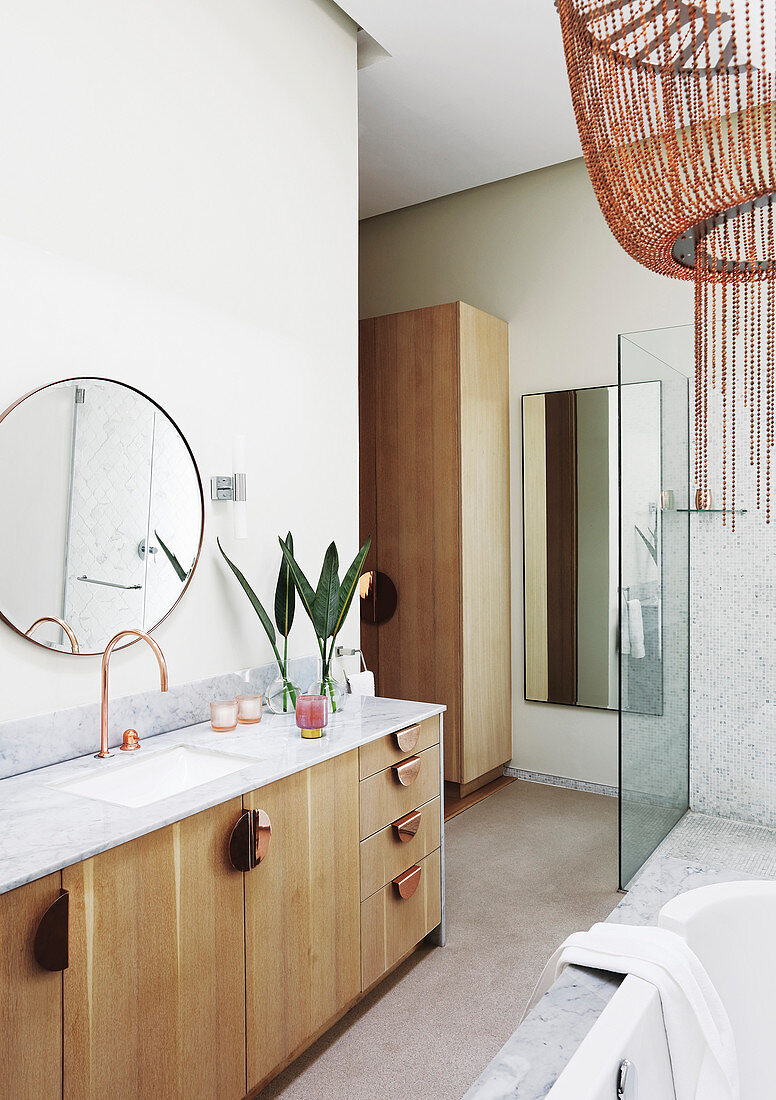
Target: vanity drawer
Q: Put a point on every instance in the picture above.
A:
(384, 798)
(384, 855)
(392, 925)
(379, 755)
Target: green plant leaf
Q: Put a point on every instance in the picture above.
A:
(349, 585)
(285, 594)
(326, 603)
(303, 586)
(256, 603)
(179, 570)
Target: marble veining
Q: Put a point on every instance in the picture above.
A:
(529, 1063)
(27, 743)
(43, 828)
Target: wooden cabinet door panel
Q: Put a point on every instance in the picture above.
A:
(154, 995)
(302, 912)
(30, 998)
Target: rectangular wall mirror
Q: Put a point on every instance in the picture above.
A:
(572, 595)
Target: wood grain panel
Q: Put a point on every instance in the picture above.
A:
(154, 998)
(485, 543)
(561, 449)
(367, 479)
(391, 926)
(417, 492)
(384, 799)
(30, 998)
(302, 929)
(383, 856)
(379, 755)
(535, 547)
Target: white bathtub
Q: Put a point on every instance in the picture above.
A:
(731, 927)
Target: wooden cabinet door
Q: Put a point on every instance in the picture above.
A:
(154, 995)
(30, 998)
(302, 913)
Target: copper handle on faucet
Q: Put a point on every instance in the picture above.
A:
(406, 740)
(406, 827)
(407, 772)
(407, 883)
(249, 840)
(130, 741)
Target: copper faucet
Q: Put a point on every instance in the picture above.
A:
(104, 750)
(60, 623)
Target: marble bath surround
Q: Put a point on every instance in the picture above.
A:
(43, 828)
(529, 1063)
(28, 743)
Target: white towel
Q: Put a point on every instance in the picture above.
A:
(624, 632)
(362, 683)
(636, 629)
(691, 1004)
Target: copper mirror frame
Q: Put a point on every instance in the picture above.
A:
(76, 651)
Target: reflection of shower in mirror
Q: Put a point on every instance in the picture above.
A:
(125, 479)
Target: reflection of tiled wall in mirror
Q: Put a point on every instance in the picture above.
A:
(108, 512)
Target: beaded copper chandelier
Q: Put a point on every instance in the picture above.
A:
(675, 104)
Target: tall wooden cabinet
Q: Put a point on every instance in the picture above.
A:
(434, 488)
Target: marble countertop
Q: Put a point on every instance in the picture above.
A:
(43, 828)
(529, 1063)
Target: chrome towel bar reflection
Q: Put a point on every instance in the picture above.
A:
(109, 584)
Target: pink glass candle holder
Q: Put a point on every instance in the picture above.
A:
(248, 709)
(223, 715)
(312, 715)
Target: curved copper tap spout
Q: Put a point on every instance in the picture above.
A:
(104, 750)
(60, 622)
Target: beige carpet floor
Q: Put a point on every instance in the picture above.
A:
(525, 868)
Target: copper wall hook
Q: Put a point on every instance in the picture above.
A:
(408, 882)
(406, 827)
(407, 772)
(407, 739)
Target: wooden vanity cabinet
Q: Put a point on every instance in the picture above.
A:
(154, 996)
(302, 913)
(30, 998)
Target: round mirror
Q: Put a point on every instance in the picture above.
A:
(103, 514)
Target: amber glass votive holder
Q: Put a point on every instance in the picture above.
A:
(312, 715)
(223, 715)
(248, 709)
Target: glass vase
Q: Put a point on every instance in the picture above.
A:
(281, 696)
(330, 686)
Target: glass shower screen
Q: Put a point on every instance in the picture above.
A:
(654, 447)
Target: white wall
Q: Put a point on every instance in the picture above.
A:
(178, 211)
(534, 250)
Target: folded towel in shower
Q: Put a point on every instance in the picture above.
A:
(636, 629)
(699, 1034)
(624, 631)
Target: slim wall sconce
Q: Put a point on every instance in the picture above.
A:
(234, 488)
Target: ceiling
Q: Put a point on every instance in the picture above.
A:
(473, 91)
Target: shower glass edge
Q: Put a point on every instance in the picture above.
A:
(654, 590)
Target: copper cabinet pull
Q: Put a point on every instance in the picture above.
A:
(407, 883)
(406, 827)
(249, 839)
(407, 771)
(406, 740)
(52, 938)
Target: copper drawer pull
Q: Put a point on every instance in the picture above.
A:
(51, 945)
(406, 740)
(406, 827)
(249, 840)
(407, 772)
(407, 883)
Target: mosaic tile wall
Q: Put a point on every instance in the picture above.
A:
(733, 647)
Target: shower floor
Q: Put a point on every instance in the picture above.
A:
(722, 844)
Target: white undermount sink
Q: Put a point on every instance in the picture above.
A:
(147, 778)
